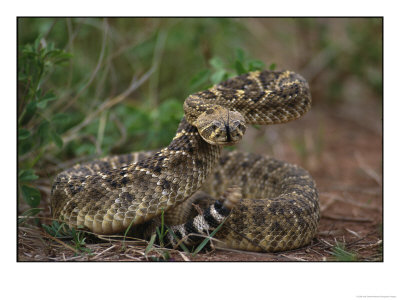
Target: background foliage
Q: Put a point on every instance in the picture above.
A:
(90, 87)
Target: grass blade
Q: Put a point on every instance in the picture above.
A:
(182, 245)
(206, 240)
(151, 243)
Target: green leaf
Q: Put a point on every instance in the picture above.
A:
(25, 146)
(256, 65)
(150, 245)
(342, 254)
(240, 55)
(56, 139)
(85, 149)
(31, 195)
(36, 43)
(57, 56)
(44, 131)
(27, 214)
(27, 175)
(239, 67)
(200, 79)
(42, 101)
(218, 76)
(272, 66)
(28, 113)
(182, 245)
(217, 63)
(23, 134)
(62, 58)
(61, 118)
(22, 76)
(206, 240)
(63, 121)
(58, 230)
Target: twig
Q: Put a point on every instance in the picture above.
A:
(329, 244)
(315, 251)
(349, 200)
(45, 35)
(332, 199)
(63, 165)
(346, 219)
(71, 134)
(100, 132)
(369, 171)
(121, 129)
(158, 50)
(354, 189)
(330, 232)
(353, 232)
(371, 245)
(70, 47)
(371, 124)
(61, 242)
(96, 69)
(252, 253)
(131, 257)
(108, 249)
(185, 258)
(293, 257)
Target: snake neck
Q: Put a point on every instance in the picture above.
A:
(187, 154)
(186, 149)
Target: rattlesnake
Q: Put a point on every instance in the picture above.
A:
(265, 204)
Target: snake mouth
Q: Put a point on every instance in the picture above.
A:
(232, 138)
(227, 139)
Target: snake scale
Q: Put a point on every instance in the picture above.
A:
(265, 204)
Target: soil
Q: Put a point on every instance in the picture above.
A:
(342, 149)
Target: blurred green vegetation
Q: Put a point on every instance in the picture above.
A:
(92, 86)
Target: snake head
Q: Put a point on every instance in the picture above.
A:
(221, 126)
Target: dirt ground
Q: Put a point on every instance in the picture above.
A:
(342, 149)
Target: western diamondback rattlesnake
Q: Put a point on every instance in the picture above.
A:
(274, 207)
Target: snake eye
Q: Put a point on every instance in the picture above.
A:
(215, 125)
(239, 125)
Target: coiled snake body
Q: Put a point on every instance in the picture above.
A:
(265, 204)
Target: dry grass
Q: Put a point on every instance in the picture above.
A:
(34, 244)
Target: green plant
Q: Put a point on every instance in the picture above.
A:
(161, 230)
(28, 214)
(36, 130)
(207, 239)
(200, 246)
(61, 230)
(58, 230)
(78, 237)
(340, 253)
(150, 244)
(221, 70)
